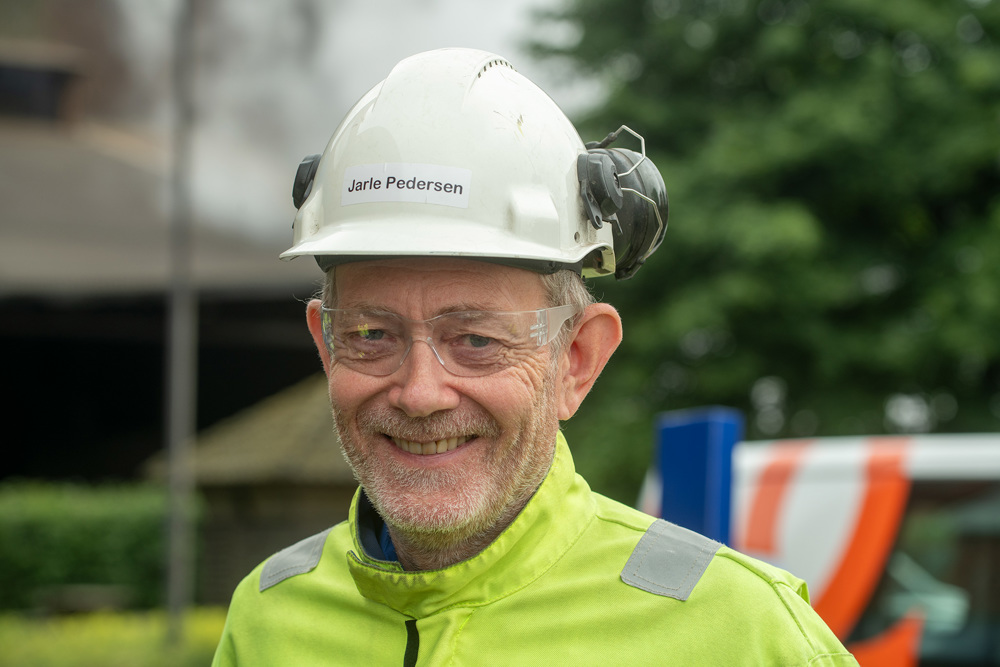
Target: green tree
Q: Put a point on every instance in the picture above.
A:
(832, 264)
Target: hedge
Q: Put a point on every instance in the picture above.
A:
(55, 538)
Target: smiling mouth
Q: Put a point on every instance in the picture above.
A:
(434, 447)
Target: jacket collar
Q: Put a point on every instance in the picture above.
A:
(544, 530)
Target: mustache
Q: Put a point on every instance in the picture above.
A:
(379, 419)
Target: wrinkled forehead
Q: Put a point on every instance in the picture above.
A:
(424, 287)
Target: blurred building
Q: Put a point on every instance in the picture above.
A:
(85, 275)
(85, 268)
(267, 477)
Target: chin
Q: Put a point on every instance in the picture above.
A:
(449, 508)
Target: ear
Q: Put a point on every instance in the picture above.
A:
(596, 337)
(314, 318)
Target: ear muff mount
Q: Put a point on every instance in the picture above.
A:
(304, 176)
(625, 188)
(598, 178)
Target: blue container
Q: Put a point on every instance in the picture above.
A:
(695, 453)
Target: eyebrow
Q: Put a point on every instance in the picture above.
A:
(461, 307)
(464, 307)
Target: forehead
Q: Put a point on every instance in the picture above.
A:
(423, 287)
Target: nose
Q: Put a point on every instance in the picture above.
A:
(422, 386)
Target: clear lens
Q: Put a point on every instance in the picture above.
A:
(468, 343)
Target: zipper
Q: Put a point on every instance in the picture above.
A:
(412, 644)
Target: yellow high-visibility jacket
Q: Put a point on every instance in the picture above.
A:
(576, 579)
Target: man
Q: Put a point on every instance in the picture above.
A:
(453, 212)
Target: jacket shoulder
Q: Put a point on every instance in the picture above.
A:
(773, 576)
(755, 598)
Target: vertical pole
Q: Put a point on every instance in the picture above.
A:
(695, 450)
(182, 357)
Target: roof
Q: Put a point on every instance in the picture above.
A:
(287, 437)
(83, 212)
(38, 54)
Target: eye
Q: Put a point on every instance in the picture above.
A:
(370, 334)
(369, 337)
(475, 340)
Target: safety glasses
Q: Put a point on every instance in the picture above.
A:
(468, 343)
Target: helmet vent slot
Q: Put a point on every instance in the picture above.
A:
(496, 62)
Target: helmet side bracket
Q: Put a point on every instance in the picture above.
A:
(640, 219)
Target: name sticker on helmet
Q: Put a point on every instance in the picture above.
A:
(406, 182)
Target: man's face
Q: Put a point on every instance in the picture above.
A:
(504, 424)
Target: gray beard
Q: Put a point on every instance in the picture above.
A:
(442, 537)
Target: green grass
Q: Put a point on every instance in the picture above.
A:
(108, 639)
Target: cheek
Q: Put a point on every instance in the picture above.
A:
(539, 372)
(348, 390)
(508, 395)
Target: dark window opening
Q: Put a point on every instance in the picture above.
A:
(946, 566)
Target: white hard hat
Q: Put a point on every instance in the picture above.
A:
(454, 154)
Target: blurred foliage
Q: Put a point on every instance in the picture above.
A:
(832, 264)
(55, 537)
(108, 640)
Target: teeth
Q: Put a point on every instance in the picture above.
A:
(434, 447)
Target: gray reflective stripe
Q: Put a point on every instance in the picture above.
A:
(669, 560)
(299, 558)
